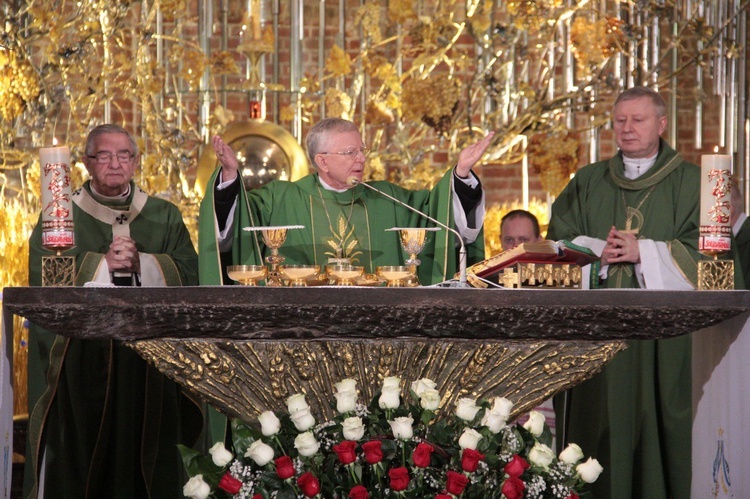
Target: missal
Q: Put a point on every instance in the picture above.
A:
(547, 251)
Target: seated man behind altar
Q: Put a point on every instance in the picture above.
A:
(341, 219)
(103, 422)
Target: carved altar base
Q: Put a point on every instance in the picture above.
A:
(246, 349)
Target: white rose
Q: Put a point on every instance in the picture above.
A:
(260, 452)
(502, 407)
(196, 488)
(430, 400)
(346, 401)
(469, 439)
(269, 424)
(402, 428)
(220, 455)
(346, 385)
(353, 428)
(590, 470)
(302, 419)
(390, 397)
(535, 424)
(296, 403)
(467, 409)
(421, 385)
(572, 454)
(392, 382)
(541, 455)
(306, 444)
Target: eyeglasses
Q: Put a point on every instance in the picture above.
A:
(105, 158)
(352, 153)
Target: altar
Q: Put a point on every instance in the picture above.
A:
(246, 349)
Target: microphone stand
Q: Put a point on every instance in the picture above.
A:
(462, 282)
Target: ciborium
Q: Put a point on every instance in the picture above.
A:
(247, 275)
(397, 276)
(274, 237)
(298, 275)
(344, 275)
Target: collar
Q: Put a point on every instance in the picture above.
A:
(635, 167)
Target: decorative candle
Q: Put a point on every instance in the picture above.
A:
(57, 204)
(255, 19)
(716, 178)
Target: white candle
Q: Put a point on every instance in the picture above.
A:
(715, 230)
(57, 203)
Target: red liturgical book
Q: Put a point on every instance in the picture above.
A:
(540, 252)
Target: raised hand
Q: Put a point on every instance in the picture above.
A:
(226, 157)
(469, 156)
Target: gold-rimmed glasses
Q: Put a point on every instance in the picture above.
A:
(351, 153)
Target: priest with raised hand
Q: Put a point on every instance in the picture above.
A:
(103, 423)
(639, 211)
(341, 219)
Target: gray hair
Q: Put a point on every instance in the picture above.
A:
(318, 134)
(638, 92)
(108, 128)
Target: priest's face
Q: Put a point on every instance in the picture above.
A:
(111, 163)
(343, 156)
(638, 127)
(517, 230)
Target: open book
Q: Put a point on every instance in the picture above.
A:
(546, 251)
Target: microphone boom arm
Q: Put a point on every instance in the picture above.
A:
(462, 281)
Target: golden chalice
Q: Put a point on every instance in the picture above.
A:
(344, 275)
(247, 275)
(397, 276)
(298, 275)
(274, 237)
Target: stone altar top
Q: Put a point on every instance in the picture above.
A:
(264, 313)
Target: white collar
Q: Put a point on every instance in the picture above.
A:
(102, 197)
(328, 187)
(635, 167)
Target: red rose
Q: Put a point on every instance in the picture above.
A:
(230, 484)
(258, 496)
(456, 483)
(359, 492)
(516, 466)
(443, 496)
(513, 488)
(572, 495)
(373, 451)
(284, 467)
(309, 484)
(421, 455)
(345, 451)
(470, 460)
(399, 478)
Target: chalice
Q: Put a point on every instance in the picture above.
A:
(247, 275)
(274, 237)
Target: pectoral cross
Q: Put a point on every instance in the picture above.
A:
(121, 219)
(630, 215)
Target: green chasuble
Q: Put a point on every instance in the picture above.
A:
(635, 416)
(360, 215)
(106, 422)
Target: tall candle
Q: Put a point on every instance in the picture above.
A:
(57, 204)
(716, 178)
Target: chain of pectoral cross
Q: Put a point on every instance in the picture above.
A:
(631, 213)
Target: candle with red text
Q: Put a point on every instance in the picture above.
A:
(716, 178)
(57, 203)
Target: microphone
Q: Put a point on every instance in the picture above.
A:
(353, 181)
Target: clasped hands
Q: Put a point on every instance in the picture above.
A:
(123, 255)
(621, 247)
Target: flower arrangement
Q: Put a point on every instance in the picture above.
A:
(392, 448)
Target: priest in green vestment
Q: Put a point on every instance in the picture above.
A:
(340, 221)
(103, 423)
(640, 212)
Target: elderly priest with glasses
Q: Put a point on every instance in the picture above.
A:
(341, 218)
(103, 423)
